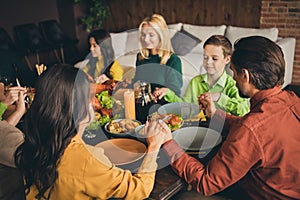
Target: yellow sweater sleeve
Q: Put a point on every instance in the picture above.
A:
(116, 71)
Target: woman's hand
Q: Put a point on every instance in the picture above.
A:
(206, 104)
(157, 133)
(101, 79)
(159, 93)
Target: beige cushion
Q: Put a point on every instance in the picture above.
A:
(174, 28)
(234, 33)
(119, 43)
(10, 139)
(132, 43)
(203, 33)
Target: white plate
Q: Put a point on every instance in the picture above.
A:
(184, 109)
(197, 138)
(123, 151)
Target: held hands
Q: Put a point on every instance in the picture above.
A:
(159, 93)
(157, 133)
(12, 95)
(206, 104)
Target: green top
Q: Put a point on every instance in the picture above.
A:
(3, 108)
(150, 70)
(230, 100)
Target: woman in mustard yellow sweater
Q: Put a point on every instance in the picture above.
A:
(55, 161)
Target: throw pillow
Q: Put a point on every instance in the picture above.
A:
(234, 33)
(132, 43)
(183, 42)
(203, 33)
(118, 41)
(173, 28)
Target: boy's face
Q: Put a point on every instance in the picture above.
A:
(214, 61)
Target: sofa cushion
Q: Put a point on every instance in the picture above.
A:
(119, 43)
(173, 28)
(183, 42)
(132, 43)
(203, 33)
(234, 33)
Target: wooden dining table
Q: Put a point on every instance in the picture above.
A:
(168, 185)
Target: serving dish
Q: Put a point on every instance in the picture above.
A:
(122, 128)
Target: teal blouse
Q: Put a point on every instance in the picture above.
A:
(168, 75)
(229, 101)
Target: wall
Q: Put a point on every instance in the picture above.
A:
(15, 12)
(128, 14)
(285, 15)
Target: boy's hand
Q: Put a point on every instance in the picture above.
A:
(206, 104)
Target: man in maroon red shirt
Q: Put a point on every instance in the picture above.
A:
(261, 150)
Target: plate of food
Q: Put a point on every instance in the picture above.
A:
(188, 111)
(124, 152)
(173, 121)
(198, 139)
(121, 127)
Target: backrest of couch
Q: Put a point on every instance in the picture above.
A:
(233, 33)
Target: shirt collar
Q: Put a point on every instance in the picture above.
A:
(221, 81)
(263, 94)
(77, 139)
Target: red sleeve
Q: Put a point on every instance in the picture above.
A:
(237, 155)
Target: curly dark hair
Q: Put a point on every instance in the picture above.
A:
(263, 59)
(61, 103)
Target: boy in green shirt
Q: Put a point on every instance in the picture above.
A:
(217, 54)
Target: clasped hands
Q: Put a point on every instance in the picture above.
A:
(157, 133)
(13, 94)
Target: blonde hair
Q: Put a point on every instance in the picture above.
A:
(165, 49)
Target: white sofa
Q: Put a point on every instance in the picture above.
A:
(125, 45)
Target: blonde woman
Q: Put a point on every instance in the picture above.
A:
(156, 62)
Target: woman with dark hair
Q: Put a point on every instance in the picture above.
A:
(54, 160)
(100, 62)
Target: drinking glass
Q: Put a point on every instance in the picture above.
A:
(89, 134)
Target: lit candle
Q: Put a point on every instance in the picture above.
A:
(129, 104)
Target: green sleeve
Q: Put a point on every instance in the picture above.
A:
(193, 90)
(3, 108)
(231, 102)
